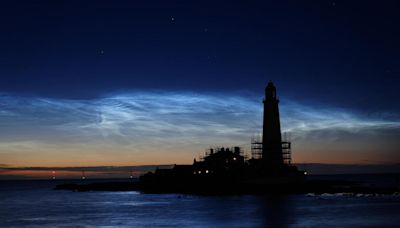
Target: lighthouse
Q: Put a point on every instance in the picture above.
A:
(272, 141)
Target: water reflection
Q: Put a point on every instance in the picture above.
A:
(277, 211)
(30, 205)
(239, 211)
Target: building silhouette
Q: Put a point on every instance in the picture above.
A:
(272, 137)
(227, 169)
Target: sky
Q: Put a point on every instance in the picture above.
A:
(124, 83)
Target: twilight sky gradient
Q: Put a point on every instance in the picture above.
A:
(157, 82)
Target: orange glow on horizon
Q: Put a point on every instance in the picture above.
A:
(62, 174)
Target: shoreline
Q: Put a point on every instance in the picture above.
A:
(226, 188)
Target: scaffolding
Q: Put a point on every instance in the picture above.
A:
(286, 148)
(286, 152)
(256, 150)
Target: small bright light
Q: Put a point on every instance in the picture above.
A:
(206, 171)
(234, 158)
(199, 172)
(305, 173)
(131, 177)
(83, 178)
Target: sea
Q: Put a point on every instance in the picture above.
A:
(34, 203)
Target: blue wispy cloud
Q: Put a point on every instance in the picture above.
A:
(181, 123)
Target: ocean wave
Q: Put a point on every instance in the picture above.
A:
(351, 194)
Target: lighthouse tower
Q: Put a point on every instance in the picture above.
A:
(272, 141)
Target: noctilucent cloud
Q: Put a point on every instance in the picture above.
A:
(157, 82)
(165, 127)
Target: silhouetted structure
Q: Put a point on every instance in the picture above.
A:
(272, 139)
(226, 169)
(271, 155)
(221, 162)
